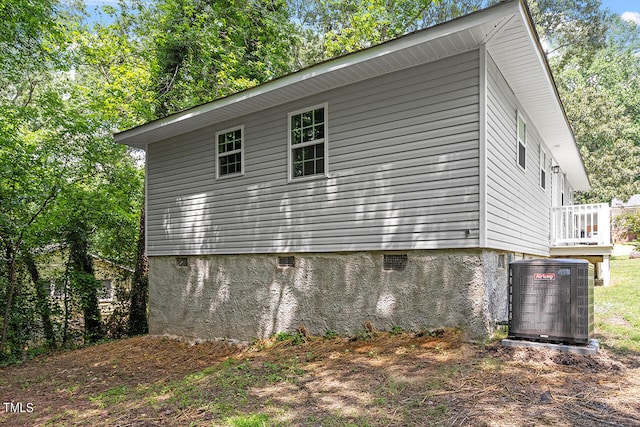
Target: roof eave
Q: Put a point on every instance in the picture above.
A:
(151, 132)
(345, 70)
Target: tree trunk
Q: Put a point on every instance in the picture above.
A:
(42, 300)
(85, 281)
(11, 267)
(138, 323)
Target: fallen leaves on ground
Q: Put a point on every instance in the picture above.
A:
(380, 379)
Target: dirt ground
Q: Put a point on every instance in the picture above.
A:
(378, 380)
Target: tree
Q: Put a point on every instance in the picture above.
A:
(573, 30)
(628, 223)
(138, 322)
(205, 50)
(43, 305)
(56, 148)
(602, 100)
(347, 26)
(27, 35)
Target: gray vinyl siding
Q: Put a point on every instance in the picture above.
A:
(518, 209)
(403, 173)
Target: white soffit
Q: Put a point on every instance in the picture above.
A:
(506, 30)
(518, 54)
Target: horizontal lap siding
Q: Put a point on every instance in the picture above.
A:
(403, 174)
(518, 209)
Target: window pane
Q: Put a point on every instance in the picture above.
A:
(307, 126)
(309, 152)
(307, 134)
(543, 180)
(308, 160)
(230, 141)
(231, 163)
(308, 167)
(296, 136)
(522, 155)
(307, 119)
(297, 162)
(522, 130)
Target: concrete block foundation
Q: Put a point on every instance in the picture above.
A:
(243, 297)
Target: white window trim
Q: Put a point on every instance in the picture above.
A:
(325, 141)
(520, 118)
(110, 297)
(543, 168)
(241, 151)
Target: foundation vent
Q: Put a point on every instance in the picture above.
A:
(182, 262)
(286, 261)
(394, 262)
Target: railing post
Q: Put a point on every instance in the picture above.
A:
(604, 224)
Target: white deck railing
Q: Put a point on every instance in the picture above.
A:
(581, 225)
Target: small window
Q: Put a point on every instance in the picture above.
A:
(182, 262)
(522, 142)
(543, 169)
(57, 288)
(105, 292)
(394, 262)
(286, 261)
(230, 152)
(308, 142)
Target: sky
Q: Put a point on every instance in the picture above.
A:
(629, 9)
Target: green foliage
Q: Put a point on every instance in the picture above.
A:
(330, 334)
(396, 330)
(601, 93)
(572, 30)
(347, 26)
(290, 338)
(628, 223)
(59, 167)
(206, 50)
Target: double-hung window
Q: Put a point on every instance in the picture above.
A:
(522, 142)
(308, 149)
(230, 152)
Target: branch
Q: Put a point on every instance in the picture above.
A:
(35, 216)
(173, 79)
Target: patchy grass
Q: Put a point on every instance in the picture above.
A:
(617, 308)
(370, 379)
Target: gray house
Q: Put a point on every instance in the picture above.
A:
(392, 185)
